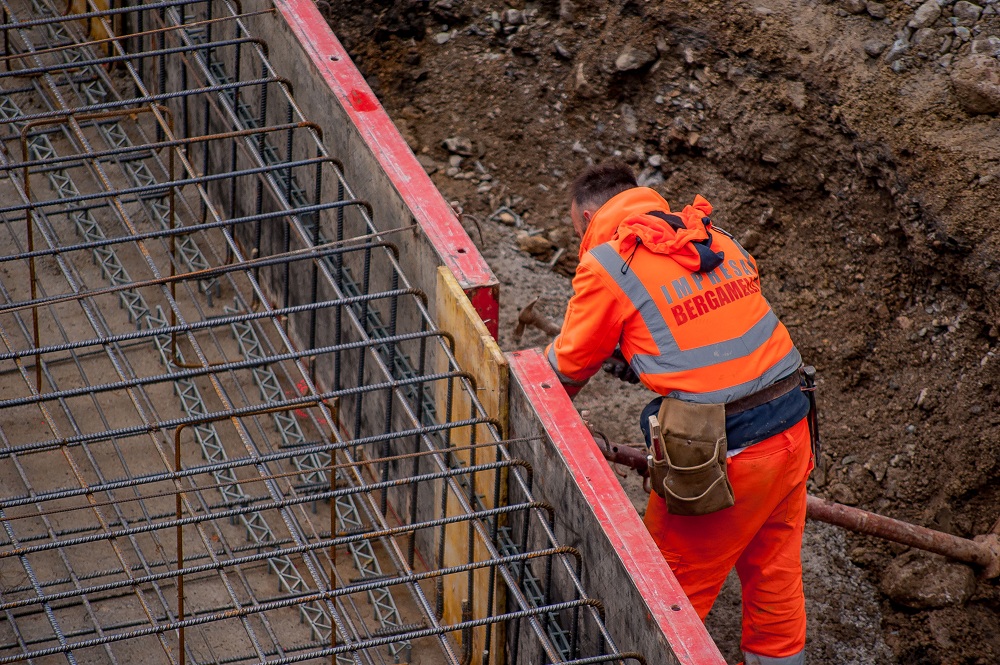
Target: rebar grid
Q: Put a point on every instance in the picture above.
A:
(163, 193)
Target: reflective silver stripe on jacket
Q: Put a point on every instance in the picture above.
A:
(779, 370)
(754, 659)
(563, 379)
(672, 359)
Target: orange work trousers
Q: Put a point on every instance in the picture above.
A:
(761, 535)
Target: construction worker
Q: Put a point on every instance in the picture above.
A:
(680, 301)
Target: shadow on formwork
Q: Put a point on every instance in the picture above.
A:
(251, 406)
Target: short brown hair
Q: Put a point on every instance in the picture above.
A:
(598, 183)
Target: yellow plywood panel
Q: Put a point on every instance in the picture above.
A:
(95, 30)
(478, 354)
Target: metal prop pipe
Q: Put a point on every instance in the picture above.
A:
(984, 553)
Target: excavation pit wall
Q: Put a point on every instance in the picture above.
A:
(645, 611)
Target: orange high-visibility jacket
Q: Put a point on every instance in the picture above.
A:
(682, 299)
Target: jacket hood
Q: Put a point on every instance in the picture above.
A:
(640, 215)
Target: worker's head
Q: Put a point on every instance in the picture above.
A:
(594, 187)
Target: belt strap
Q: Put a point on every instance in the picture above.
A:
(774, 391)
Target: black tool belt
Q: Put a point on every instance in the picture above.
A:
(804, 379)
(773, 391)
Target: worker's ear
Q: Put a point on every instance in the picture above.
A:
(585, 217)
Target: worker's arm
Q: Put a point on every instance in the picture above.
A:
(590, 331)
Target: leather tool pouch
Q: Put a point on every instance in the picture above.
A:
(691, 474)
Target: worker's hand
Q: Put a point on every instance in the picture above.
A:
(617, 367)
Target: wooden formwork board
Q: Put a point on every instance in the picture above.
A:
(478, 354)
(94, 29)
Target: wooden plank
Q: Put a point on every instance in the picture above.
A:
(95, 29)
(477, 353)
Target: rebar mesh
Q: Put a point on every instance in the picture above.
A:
(229, 429)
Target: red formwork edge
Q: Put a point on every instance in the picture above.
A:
(430, 210)
(665, 600)
(683, 629)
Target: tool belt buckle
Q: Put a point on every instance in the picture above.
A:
(808, 373)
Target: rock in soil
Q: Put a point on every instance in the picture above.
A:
(534, 245)
(976, 82)
(876, 10)
(925, 15)
(633, 58)
(582, 85)
(899, 48)
(922, 581)
(966, 12)
(513, 17)
(429, 165)
(874, 47)
(507, 218)
(458, 145)
(855, 6)
(986, 45)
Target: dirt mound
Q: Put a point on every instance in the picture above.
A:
(837, 141)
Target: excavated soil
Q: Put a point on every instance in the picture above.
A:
(853, 147)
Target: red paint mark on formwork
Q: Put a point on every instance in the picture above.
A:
(429, 209)
(665, 600)
(362, 102)
(486, 302)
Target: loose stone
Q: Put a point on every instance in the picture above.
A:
(925, 15)
(633, 58)
(976, 82)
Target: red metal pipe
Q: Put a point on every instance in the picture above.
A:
(634, 458)
(983, 552)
